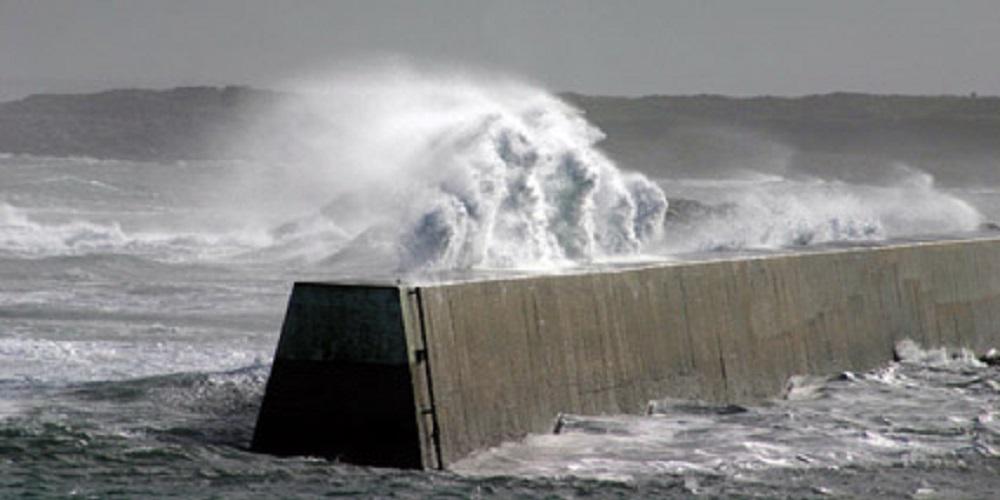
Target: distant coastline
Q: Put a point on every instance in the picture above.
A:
(853, 136)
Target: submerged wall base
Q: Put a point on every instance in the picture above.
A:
(421, 376)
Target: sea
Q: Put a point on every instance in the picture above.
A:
(139, 313)
(141, 302)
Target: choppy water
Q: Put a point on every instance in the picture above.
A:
(140, 306)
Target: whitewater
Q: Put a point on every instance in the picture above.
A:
(140, 303)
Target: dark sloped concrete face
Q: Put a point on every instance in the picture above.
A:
(422, 377)
(354, 412)
(341, 384)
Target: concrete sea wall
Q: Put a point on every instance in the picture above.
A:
(420, 376)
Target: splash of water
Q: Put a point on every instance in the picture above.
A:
(460, 173)
(778, 212)
(931, 407)
(23, 236)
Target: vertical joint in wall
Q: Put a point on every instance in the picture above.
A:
(422, 357)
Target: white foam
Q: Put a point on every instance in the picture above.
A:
(22, 236)
(933, 404)
(64, 361)
(464, 172)
(784, 212)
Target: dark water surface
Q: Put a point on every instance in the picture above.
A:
(138, 315)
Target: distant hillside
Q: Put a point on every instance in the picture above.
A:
(178, 124)
(847, 136)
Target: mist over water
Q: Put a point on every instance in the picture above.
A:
(392, 170)
(424, 172)
(776, 211)
(395, 170)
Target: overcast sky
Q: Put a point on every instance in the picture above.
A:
(740, 47)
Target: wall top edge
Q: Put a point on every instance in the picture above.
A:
(406, 283)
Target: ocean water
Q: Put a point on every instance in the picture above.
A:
(140, 305)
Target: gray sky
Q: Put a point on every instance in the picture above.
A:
(779, 47)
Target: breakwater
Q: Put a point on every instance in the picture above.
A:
(419, 376)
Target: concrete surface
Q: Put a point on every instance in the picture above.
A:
(420, 376)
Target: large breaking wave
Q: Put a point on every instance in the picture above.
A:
(395, 171)
(432, 173)
(523, 185)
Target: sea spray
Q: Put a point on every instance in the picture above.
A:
(768, 212)
(397, 170)
(463, 173)
(23, 236)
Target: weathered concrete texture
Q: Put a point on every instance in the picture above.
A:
(343, 381)
(506, 356)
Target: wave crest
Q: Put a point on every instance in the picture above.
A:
(464, 174)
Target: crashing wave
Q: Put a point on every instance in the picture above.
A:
(467, 174)
(517, 199)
